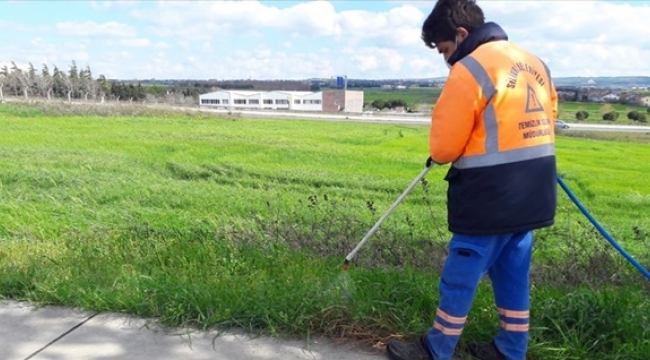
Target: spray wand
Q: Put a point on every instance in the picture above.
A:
(346, 263)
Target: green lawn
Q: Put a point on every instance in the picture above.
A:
(209, 221)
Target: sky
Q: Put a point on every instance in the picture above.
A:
(295, 39)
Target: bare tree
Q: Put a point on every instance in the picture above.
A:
(14, 79)
(31, 78)
(45, 83)
(19, 81)
(88, 85)
(103, 87)
(61, 84)
(58, 84)
(68, 85)
(4, 77)
(73, 80)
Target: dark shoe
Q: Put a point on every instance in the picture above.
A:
(485, 351)
(399, 350)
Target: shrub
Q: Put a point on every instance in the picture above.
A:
(388, 104)
(633, 115)
(582, 115)
(611, 116)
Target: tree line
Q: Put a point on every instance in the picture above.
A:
(78, 83)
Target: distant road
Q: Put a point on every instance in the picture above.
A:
(415, 119)
(611, 128)
(407, 119)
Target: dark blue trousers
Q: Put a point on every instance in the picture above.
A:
(506, 259)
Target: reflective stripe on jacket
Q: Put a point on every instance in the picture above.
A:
(494, 121)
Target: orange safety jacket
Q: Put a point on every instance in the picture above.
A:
(495, 121)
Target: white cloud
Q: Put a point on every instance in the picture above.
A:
(373, 59)
(162, 45)
(594, 38)
(9, 65)
(80, 56)
(377, 62)
(38, 41)
(135, 43)
(185, 45)
(91, 28)
(112, 4)
(424, 5)
(265, 63)
(316, 18)
(140, 43)
(272, 63)
(399, 26)
(594, 21)
(305, 39)
(576, 38)
(40, 51)
(205, 19)
(16, 27)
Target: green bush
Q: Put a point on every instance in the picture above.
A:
(388, 104)
(582, 115)
(611, 116)
(633, 115)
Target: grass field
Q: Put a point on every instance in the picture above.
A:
(423, 99)
(568, 111)
(419, 99)
(208, 222)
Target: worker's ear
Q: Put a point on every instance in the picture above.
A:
(462, 34)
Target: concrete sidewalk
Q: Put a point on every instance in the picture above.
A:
(56, 333)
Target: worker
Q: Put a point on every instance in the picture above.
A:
(494, 122)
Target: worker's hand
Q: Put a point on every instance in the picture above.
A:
(429, 162)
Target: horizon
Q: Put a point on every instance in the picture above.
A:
(644, 77)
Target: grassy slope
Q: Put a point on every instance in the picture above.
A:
(193, 219)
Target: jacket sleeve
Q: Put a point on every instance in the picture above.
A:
(554, 99)
(453, 116)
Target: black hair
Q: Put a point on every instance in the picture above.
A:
(447, 16)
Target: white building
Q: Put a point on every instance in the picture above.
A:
(611, 97)
(231, 99)
(271, 100)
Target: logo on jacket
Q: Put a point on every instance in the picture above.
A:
(532, 103)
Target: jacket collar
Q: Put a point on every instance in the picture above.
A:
(486, 33)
